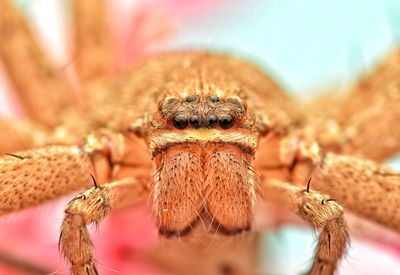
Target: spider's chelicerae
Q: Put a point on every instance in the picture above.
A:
(200, 135)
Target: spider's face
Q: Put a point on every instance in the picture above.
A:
(203, 153)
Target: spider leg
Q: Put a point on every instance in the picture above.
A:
(35, 176)
(41, 89)
(91, 207)
(92, 49)
(322, 213)
(23, 134)
(365, 187)
(362, 186)
(371, 112)
(365, 122)
(18, 134)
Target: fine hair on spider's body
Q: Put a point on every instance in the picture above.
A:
(203, 135)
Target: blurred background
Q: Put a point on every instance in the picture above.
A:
(308, 46)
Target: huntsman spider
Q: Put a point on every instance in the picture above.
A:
(199, 135)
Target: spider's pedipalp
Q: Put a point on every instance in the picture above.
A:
(36, 75)
(326, 217)
(91, 207)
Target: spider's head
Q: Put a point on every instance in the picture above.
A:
(203, 147)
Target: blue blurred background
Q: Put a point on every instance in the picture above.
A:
(309, 45)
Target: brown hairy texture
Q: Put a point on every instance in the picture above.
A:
(211, 182)
(177, 189)
(362, 186)
(135, 98)
(229, 188)
(321, 212)
(91, 207)
(32, 177)
(36, 75)
(326, 216)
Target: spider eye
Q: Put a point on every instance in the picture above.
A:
(180, 122)
(213, 99)
(212, 120)
(195, 121)
(191, 98)
(226, 121)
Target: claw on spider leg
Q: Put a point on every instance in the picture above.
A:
(327, 218)
(308, 185)
(91, 207)
(94, 180)
(15, 156)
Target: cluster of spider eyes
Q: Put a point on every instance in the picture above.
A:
(182, 121)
